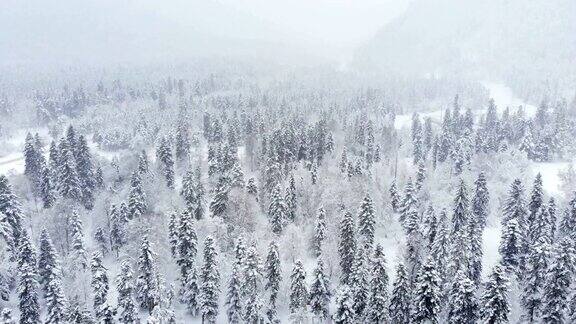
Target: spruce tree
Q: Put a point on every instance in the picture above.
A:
(137, 205)
(147, 290)
(320, 292)
(28, 285)
(557, 285)
(399, 308)
(78, 254)
(298, 291)
(48, 267)
(102, 241)
(319, 231)
(290, 199)
(234, 296)
(480, 200)
(273, 275)
(277, 211)
(164, 155)
(344, 307)
(409, 203)
(495, 307)
(347, 247)
(394, 197)
(366, 220)
(538, 263)
(251, 288)
(462, 302)
(219, 202)
(187, 245)
(359, 282)
(190, 294)
(85, 170)
(252, 188)
(70, 186)
(476, 253)
(173, 225)
(117, 229)
(510, 245)
(47, 188)
(99, 284)
(461, 215)
(378, 298)
(11, 215)
(426, 304)
(536, 200)
(210, 287)
(126, 303)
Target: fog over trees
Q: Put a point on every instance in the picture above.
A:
(287, 162)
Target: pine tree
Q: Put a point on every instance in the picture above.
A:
(143, 164)
(394, 197)
(320, 292)
(476, 253)
(137, 205)
(290, 199)
(190, 295)
(420, 177)
(298, 291)
(426, 304)
(99, 284)
(552, 217)
(409, 203)
(236, 176)
(557, 284)
(48, 268)
(85, 170)
(461, 216)
(234, 296)
(117, 229)
(319, 231)
(538, 263)
(102, 241)
(510, 246)
(399, 308)
(69, 183)
(99, 178)
(536, 200)
(125, 286)
(56, 303)
(78, 253)
(219, 202)
(182, 141)
(359, 282)
(11, 217)
(462, 303)
(210, 287)
(378, 299)
(164, 155)
(366, 220)
(32, 158)
(277, 211)
(147, 290)
(78, 314)
(173, 225)
(344, 307)
(347, 247)
(480, 201)
(240, 252)
(28, 285)
(273, 277)
(47, 188)
(494, 304)
(252, 279)
(187, 245)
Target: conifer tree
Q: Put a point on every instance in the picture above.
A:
(252, 188)
(69, 183)
(99, 284)
(210, 287)
(298, 291)
(117, 229)
(394, 197)
(85, 170)
(426, 304)
(251, 288)
(367, 220)
(78, 253)
(359, 282)
(319, 231)
(476, 253)
(125, 286)
(461, 216)
(47, 188)
(347, 247)
(164, 155)
(277, 211)
(219, 202)
(273, 277)
(28, 285)
(462, 303)
(480, 200)
(494, 305)
(190, 294)
(48, 268)
(399, 308)
(552, 217)
(320, 292)
(536, 200)
(538, 263)
(147, 290)
(187, 245)
(11, 214)
(56, 302)
(137, 205)
(290, 199)
(234, 296)
(378, 298)
(102, 241)
(32, 167)
(409, 203)
(510, 247)
(344, 306)
(557, 285)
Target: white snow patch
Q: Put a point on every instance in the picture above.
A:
(550, 172)
(490, 244)
(504, 97)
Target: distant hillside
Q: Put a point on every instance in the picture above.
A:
(525, 43)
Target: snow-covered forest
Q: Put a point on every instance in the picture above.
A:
(247, 190)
